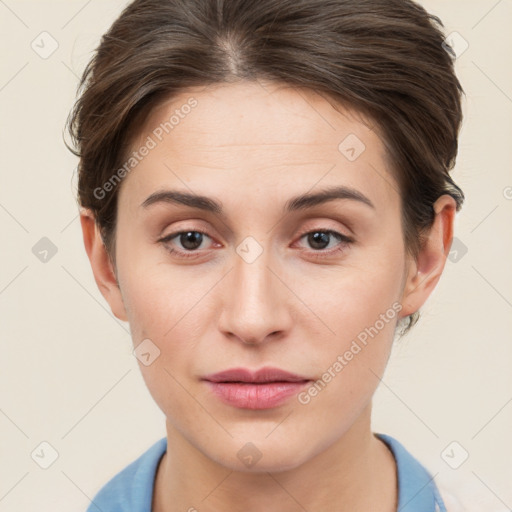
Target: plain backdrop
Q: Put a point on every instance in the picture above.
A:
(68, 378)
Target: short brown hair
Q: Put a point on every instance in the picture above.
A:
(385, 58)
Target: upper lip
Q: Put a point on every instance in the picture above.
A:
(266, 374)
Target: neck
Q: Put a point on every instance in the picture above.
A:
(355, 472)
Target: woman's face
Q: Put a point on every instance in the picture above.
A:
(267, 278)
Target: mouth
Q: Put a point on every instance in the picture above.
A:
(263, 389)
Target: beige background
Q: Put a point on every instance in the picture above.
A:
(67, 373)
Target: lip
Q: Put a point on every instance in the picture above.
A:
(263, 389)
(265, 374)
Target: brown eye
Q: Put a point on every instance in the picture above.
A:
(185, 243)
(320, 240)
(190, 240)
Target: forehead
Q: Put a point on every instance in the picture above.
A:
(257, 113)
(258, 135)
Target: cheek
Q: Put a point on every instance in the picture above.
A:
(352, 361)
(168, 312)
(359, 309)
(156, 294)
(349, 299)
(166, 305)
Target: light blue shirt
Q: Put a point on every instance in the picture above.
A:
(131, 490)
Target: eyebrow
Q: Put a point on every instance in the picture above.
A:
(301, 202)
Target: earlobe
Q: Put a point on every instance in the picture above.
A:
(102, 267)
(424, 273)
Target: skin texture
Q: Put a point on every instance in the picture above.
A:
(252, 146)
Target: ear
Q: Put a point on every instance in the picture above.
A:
(102, 267)
(424, 273)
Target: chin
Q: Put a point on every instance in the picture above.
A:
(260, 457)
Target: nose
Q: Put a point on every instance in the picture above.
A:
(256, 301)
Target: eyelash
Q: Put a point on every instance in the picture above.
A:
(345, 241)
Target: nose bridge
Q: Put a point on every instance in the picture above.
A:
(255, 304)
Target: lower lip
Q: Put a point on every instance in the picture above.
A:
(255, 396)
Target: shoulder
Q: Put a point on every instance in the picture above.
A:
(131, 490)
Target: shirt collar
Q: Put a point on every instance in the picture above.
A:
(417, 491)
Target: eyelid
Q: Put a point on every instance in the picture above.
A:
(325, 229)
(325, 226)
(182, 225)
